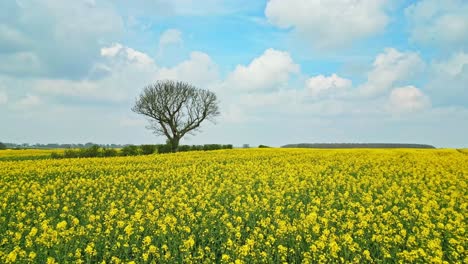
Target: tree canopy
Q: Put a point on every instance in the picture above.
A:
(175, 109)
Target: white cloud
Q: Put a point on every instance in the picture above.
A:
(3, 97)
(281, 100)
(331, 23)
(234, 113)
(390, 68)
(199, 70)
(184, 7)
(271, 70)
(454, 65)
(127, 71)
(29, 101)
(128, 54)
(448, 80)
(333, 86)
(63, 37)
(20, 63)
(11, 39)
(111, 51)
(170, 37)
(76, 89)
(127, 121)
(439, 24)
(407, 99)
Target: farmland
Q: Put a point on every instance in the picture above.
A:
(27, 154)
(238, 206)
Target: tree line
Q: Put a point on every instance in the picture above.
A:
(357, 145)
(133, 150)
(57, 146)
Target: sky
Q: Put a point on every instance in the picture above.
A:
(295, 71)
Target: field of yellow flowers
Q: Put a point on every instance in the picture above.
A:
(238, 206)
(27, 154)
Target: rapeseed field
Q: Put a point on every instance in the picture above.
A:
(27, 154)
(238, 206)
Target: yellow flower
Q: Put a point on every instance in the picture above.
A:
(62, 225)
(367, 255)
(147, 240)
(225, 257)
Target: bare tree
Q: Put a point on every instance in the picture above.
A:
(175, 109)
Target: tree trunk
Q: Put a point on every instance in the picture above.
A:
(174, 144)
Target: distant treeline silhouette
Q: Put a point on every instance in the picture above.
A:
(357, 145)
(132, 150)
(60, 146)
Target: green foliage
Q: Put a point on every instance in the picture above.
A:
(91, 152)
(70, 153)
(263, 146)
(2, 146)
(184, 148)
(130, 150)
(55, 155)
(109, 152)
(166, 148)
(148, 149)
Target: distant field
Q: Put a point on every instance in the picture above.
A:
(27, 154)
(238, 206)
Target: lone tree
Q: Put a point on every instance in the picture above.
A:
(175, 109)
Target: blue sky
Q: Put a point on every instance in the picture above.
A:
(284, 71)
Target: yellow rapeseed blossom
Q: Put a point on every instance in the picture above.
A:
(237, 206)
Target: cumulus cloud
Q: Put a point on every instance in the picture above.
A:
(199, 69)
(322, 86)
(391, 68)
(127, 54)
(235, 113)
(271, 70)
(407, 99)
(331, 23)
(439, 24)
(170, 37)
(74, 31)
(454, 65)
(127, 71)
(29, 101)
(448, 82)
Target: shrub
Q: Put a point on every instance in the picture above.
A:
(148, 149)
(196, 148)
(91, 152)
(2, 146)
(184, 148)
(55, 155)
(263, 146)
(70, 153)
(130, 150)
(109, 152)
(164, 148)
